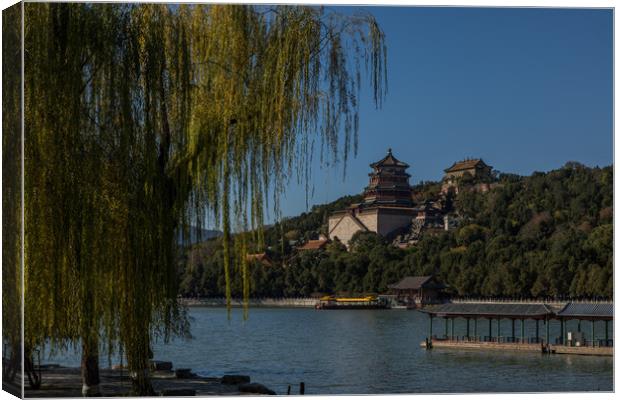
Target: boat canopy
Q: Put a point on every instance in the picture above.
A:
(348, 299)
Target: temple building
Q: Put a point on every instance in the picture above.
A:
(387, 205)
(474, 168)
(430, 219)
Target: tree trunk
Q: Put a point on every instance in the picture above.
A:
(138, 360)
(90, 366)
(34, 376)
(13, 364)
(141, 383)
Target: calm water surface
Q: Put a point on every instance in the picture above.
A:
(369, 351)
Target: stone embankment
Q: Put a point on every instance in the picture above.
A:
(300, 302)
(58, 381)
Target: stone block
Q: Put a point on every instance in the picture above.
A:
(178, 392)
(235, 379)
(257, 388)
(184, 373)
(161, 365)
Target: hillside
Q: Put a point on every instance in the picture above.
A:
(197, 235)
(545, 235)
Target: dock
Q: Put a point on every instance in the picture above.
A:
(475, 344)
(583, 350)
(490, 337)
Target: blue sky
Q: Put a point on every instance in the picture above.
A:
(525, 89)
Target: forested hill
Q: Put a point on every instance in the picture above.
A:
(545, 235)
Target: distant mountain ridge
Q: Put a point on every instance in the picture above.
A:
(197, 235)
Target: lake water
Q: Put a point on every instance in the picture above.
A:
(369, 352)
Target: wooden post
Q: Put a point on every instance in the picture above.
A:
(592, 333)
(512, 321)
(522, 330)
(606, 332)
(547, 322)
(476, 328)
(445, 319)
(467, 327)
(562, 331)
(537, 335)
(430, 328)
(499, 329)
(490, 331)
(452, 328)
(578, 325)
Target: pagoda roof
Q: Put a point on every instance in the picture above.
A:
(391, 174)
(388, 187)
(389, 161)
(465, 164)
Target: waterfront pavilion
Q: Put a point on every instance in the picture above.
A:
(493, 313)
(593, 312)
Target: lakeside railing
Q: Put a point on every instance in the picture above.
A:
(518, 340)
(489, 339)
(527, 301)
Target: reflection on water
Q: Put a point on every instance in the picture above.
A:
(368, 351)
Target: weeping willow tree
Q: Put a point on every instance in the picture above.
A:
(11, 193)
(143, 120)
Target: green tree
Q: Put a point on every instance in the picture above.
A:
(11, 194)
(142, 120)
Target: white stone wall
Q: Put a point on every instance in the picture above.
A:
(389, 223)
(383, 223)
(344, 229)
(369, 219)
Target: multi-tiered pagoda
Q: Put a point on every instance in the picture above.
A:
(389, 183)
(387, 205)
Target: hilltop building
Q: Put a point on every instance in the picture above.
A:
(389, 209)
(475, 168)
(430, 213)
(387, 204)
(430, 219)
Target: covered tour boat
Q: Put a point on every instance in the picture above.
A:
(351, 303)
